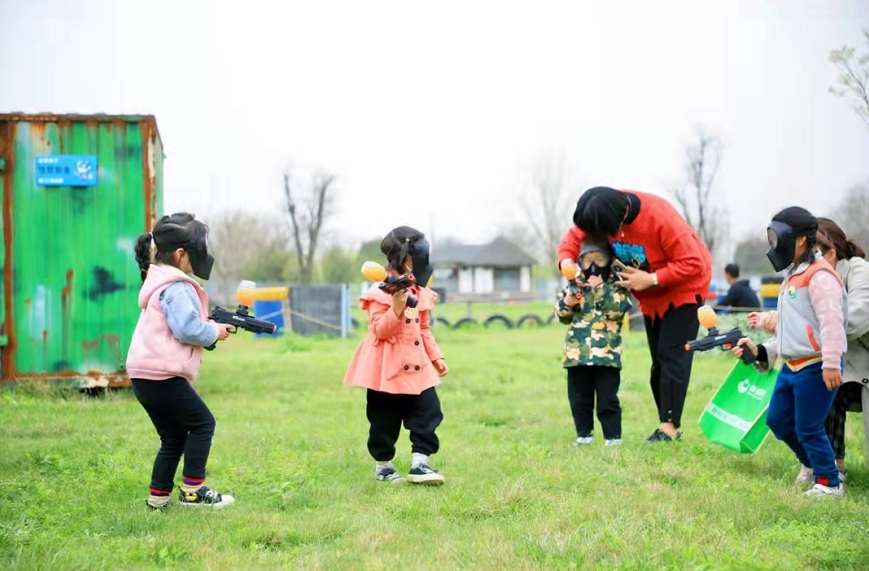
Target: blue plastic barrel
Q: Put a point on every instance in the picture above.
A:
(770, 302)
(271, 311)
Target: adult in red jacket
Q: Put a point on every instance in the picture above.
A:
(669, 272)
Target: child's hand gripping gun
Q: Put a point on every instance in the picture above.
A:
(727, 340)
(376, 273)
(241, 319)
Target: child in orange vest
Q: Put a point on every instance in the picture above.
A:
(400, 363)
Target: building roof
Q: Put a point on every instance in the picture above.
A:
(48, 117)
(499, 252)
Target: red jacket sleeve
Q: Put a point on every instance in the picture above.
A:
(685, 254)
(570, 245)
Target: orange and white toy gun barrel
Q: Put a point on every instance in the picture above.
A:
(570, 271)
(726, 340)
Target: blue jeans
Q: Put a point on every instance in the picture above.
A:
(799, 406)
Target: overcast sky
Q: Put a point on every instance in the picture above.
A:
(430, 112)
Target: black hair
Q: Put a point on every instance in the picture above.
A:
(169, 234)
(732, 270)
(600, 212)
(803, 223)
(396, 245)
(845, 248)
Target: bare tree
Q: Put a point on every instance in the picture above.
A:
(853, 77)
(850, 214)
(545, 204)
(310, 202)
(695, 198)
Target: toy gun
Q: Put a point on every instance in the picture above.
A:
(242, 319)
(375, 273)
(569, 271)
(715, 338)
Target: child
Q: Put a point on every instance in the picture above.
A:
(810, 327)
(593, 346)
(165, 354)
(399, 363)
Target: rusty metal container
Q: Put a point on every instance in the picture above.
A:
(77, 190)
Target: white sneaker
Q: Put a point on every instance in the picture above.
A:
(806, 477)
(821, 491)
(583, 440)
(613, 442)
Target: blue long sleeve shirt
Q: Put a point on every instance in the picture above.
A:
(181, 308)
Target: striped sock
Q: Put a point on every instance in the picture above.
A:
(192, 485)
(158, 498)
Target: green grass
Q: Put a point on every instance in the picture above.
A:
(290, 446)
(452, 312)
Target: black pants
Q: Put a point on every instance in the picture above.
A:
(582, 384)
(671, 363)
(185, 426)
(420, 413)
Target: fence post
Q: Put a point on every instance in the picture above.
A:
(345, 310)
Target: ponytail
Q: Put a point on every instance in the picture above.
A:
(809, 255)
(143, 252)
(854, 250)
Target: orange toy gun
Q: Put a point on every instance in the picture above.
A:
(569, 271)
(376, 273)
(727, 340)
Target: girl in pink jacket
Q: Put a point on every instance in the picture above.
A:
(165, 354)
(400, 363)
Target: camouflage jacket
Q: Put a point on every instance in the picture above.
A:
(595, 334)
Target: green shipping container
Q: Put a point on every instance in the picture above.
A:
(76, 190)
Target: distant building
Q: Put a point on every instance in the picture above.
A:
(499, 270)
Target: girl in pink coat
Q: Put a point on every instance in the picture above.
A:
(400, 363)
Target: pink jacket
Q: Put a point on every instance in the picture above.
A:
(155, 354)
(396, 355)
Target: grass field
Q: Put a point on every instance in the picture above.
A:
(290, 446)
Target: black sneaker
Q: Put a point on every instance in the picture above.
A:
(659, 436)
(206, 497)
(422, 474)
(389, 475)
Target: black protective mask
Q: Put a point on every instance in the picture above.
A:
(782, 245)
(589, 266)
(419, 257)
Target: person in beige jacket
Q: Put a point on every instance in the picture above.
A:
(849, 260)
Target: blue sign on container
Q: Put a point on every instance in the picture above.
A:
(66, 170)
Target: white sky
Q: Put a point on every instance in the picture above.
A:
(430, 112)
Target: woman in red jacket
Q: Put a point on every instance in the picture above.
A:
(669, 272)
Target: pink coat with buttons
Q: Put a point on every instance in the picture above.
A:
(397, 353)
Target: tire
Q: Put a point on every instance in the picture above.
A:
(530, 318)
(442, 321)
(551, 319)
(354, 323)
(496, 318)
(465, 321)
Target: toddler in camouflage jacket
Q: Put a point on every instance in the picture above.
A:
(593, 344)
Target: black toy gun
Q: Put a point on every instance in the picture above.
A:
(374, 272)
(726, 340)
(242, 319)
